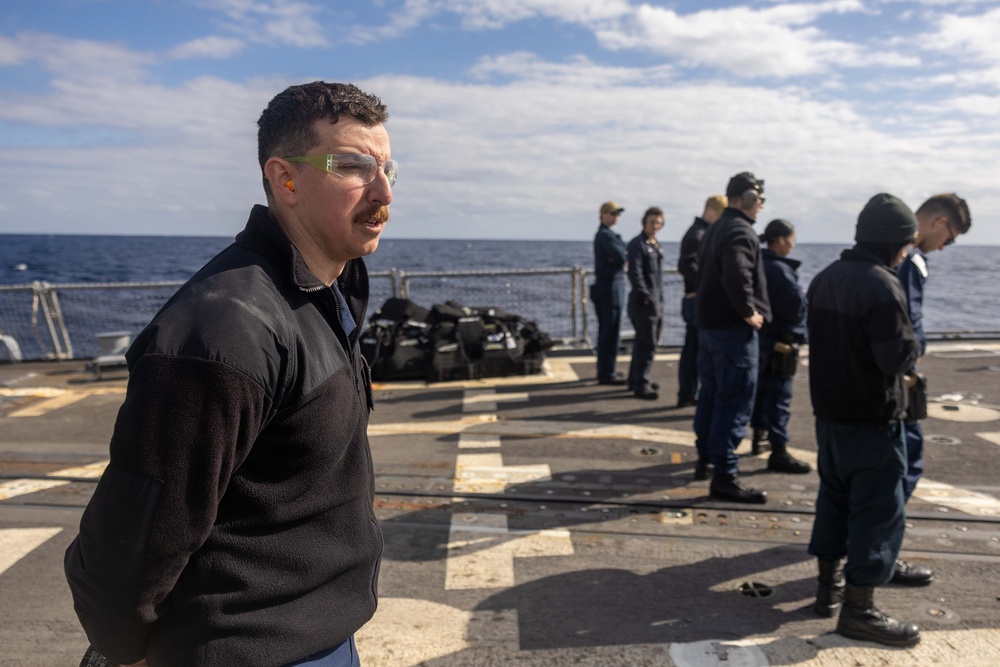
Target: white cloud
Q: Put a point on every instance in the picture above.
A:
(288, 22)
(578, 70)
(11, 52)
(974, 36)
(541, 153)
(776, 42)
(487, 14)
(208, 47)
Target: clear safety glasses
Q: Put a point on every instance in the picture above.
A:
(356, 167)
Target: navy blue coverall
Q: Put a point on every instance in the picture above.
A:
(772, 408)
(645, 308)
(912, 274)
(687, 265)
(608, 295)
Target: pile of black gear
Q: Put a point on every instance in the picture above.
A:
(405, 341)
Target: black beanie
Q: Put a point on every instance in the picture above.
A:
(777, 229)
(886, 219)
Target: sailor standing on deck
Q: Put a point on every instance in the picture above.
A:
(731, 306)
(608, 293)
(860, 345)
(779, 346)
(645, 303)
(687, 265)
(235, 525)
(941, 219)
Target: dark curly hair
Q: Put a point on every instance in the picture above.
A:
(286, 126)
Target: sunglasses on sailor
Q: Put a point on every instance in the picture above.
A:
(358, 168)
(951, 236)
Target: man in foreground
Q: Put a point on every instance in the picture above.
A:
(940, 220)
(608, 293)
(860, 345)
(687, 265)
(234, 524)
(645, 303)
(730, 307)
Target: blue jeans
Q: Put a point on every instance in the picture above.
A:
(647, 321)
(342, 655)
(609, 300)
(914, 458)
(860, 510)
(773, 406)
(687, 369)
(727, 367)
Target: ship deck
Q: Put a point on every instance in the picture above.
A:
(549, 520)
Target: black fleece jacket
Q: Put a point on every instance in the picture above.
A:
(687, 260)
(860, 341)
(731, 282)
(235, 524)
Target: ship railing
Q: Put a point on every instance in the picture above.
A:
(64, 320)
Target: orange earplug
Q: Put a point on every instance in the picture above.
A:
(288, 184)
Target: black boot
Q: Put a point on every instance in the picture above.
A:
(909, 574)
(830, 591)
(859, 619)
(729, 487)
(701, 469)
(757, 444)
(781, 461)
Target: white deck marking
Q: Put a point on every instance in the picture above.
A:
(16, 543)
(21, 487)
(963, 500)
(473, 441)
(50, 404)
(728, 652)
(55, 398)
(962, 412)
(971, 502)
(407, 633)
(481, 551)
(486, 400)
(990, 437)
(486, 473)
(553, 370)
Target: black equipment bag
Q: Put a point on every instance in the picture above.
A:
(451, 342)
(397, 344)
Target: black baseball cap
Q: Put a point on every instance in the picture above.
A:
(742, 182)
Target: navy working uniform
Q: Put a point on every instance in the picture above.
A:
(608, 295)
(731, 287)
(912, 274)
(687, 265)
(860, 346)
(772, 408)
(645, 308)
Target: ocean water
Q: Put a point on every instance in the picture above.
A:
(961, 295)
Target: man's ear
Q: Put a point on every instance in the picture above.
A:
(282, 180)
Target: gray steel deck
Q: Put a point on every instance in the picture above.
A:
(549, 520)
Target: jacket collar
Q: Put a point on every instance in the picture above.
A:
(773, 256)
(263, 235)
(731, 212)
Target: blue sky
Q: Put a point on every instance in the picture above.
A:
(510, 119)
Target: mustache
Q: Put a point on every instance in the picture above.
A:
(377, 213)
